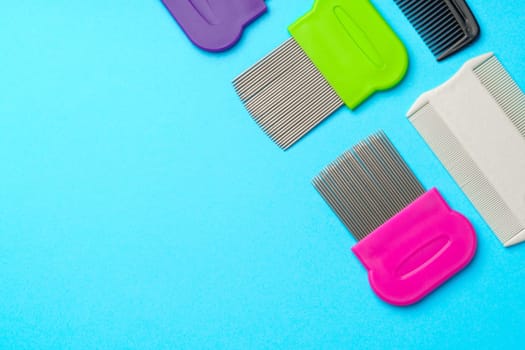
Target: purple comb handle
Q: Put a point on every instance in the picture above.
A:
(214, 25)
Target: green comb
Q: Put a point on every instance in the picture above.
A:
(341, 52)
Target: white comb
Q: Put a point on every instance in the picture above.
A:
(475, 124)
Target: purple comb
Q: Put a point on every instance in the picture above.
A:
(214, 25)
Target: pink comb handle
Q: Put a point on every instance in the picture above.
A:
(417, 250)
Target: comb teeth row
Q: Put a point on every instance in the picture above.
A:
(368, 185)
(504, 89)
(286, 95)
(466, 173)
(445, 26)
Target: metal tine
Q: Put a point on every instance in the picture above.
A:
(348, 185)
(368, 185)
(398, 181)
(253, 88)
(280, 92)
(280, 122)
(370, 208)
(374, 164)
(263, 93)
(342, 202)
(267, 69)
(271, 116)
(326, 108)
(310, 104)
(339, 186)
(411, 187)
(359, 213)
(286, 102)
(393, 182)
(353, 199)
(326, 192)
(273, 53)
(268, 61)
(293, 134)
(311, 86)
(267, 75)
(296, 70)
(372, 188)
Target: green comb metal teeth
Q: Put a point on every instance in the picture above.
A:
(341, 52)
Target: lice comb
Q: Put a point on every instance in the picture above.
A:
(446, 26)
(341, 52)
(410, 241)
(214, 25)
(475, 124)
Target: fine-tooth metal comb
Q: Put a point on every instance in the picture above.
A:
(410, 240)
(367, 185)
(475, 124)
(341, 52)
(446, 26)
(286, 95)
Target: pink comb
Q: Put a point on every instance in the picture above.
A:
(410, 241)
(214, 25)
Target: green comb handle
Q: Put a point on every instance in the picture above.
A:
(352, 46)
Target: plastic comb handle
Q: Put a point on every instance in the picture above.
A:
(475, 124)
(353, 47)
(417, 250)
(214, 25)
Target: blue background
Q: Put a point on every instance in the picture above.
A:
(142, 208)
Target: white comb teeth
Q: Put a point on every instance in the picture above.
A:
(475, 124)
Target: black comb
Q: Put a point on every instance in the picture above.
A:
(446, 26)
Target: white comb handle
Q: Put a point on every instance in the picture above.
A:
(486, 135)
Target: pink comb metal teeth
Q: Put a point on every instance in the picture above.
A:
(410, 241)
(214, 25)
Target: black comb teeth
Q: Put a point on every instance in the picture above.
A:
(446, 26)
